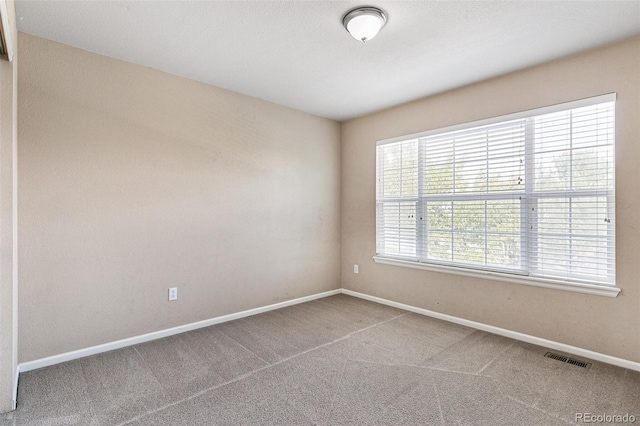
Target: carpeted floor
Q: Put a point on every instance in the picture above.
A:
(333, 361)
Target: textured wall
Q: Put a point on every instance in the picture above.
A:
(606, 325)
(133, 181)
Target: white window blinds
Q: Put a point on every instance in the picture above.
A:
(531, 194)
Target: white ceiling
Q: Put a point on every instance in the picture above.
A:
(297, 54)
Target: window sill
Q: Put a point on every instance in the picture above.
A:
(598, 290)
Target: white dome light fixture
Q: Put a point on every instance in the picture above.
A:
(363, 23)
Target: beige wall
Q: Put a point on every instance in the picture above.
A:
(8, 217)
(133, 181)
(606, 325)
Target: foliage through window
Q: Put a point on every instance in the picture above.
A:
(529, 194)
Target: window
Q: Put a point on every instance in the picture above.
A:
(530, 195)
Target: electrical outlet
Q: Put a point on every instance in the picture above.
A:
(355, 269)
(173, 293)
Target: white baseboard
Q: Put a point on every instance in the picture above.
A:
(80, 353)
(608, 359)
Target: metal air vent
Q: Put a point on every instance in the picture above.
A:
(568, 360)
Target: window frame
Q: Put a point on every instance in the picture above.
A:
(528, 277)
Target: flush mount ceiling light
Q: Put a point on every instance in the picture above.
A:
(363, 23)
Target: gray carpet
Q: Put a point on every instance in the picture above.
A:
(334, 361)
